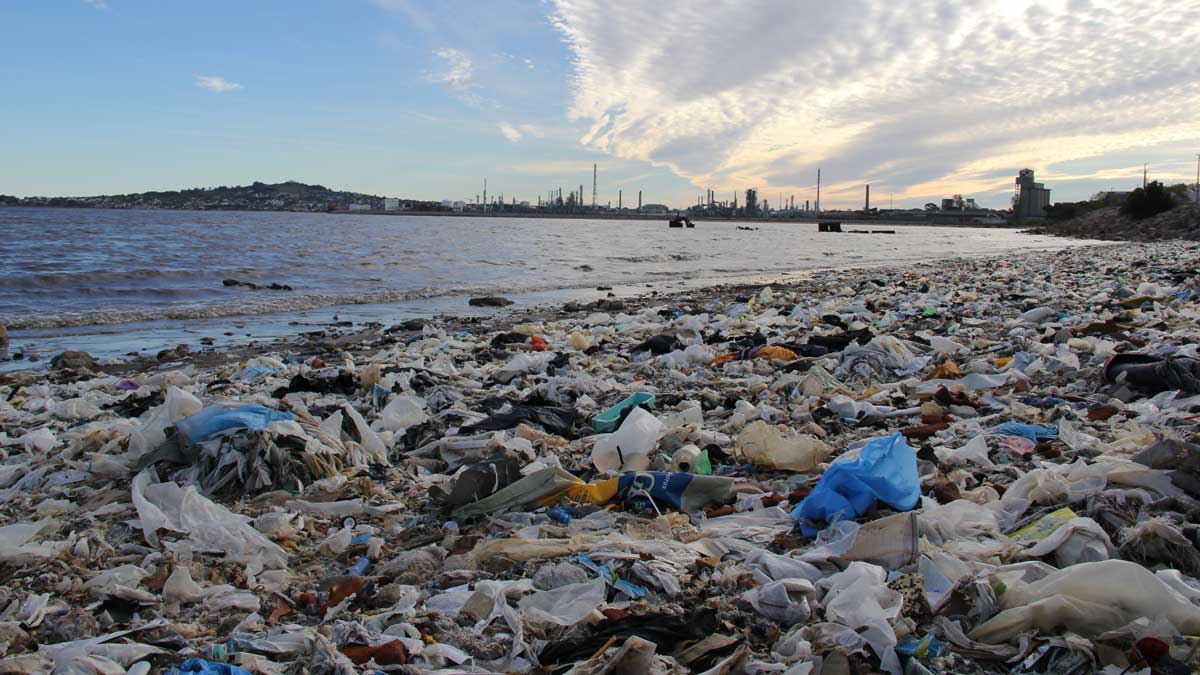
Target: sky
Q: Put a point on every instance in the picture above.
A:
(922, 99)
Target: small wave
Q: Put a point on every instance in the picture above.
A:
(99, 278)
(662, 257)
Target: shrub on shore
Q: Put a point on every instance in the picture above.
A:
(1147, 202)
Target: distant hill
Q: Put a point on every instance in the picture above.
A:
(286, 196)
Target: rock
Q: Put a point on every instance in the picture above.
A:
(171, 354)
(73, 361)
(609, 305)
(254, 287)
(491, 301)
(3, 342)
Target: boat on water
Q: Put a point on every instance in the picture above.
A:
(681, 221)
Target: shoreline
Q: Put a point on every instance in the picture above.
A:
(807, 219)
(283, 328)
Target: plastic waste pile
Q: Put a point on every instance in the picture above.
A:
(982, 466)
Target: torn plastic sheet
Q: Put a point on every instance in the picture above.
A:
(167, 506)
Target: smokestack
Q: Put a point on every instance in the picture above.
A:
(593, 186)
(868, 206)
(818, 204)
(639, 201)
(618, 200)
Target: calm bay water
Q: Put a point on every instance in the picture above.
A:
(73, 272)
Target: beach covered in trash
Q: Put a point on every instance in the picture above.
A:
(975, 466)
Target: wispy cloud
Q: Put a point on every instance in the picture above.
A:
(216, 84)
(509, 131)
(921, 97)
(456, 75)
(457, 71)
(96, 4)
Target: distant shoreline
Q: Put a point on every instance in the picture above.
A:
(573, 216)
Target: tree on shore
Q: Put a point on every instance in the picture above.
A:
(1146, 202)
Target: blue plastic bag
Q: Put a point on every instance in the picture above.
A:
(886, 470)
(207, 668)
(1034, 432)
(211, 421)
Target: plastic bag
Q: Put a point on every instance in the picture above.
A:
(765, 445)
(886, 470)
(39, 440)
(566, 605)
(859, 599)
(976, 451)
(207, 668)
(371, 442)
(629, 447)
(1078, 540)
(209, 525)
(403, 412)
(212, 421)
(1090, 598)
(152, 431)
(1034, 432)
(787, 601)
(180, 586)
(960, 519)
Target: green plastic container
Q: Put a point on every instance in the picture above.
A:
(606, 422)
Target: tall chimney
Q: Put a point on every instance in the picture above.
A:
(618, 200)
(868, 206)
(639, 201)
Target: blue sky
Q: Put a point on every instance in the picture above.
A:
(426, 99)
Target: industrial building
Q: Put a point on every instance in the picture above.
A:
(1032, 199)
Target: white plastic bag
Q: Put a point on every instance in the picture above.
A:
(208, 525)
(564, 606)
(180, 586)
(1090, 598)
(403, 412)
(151, 433)
(629, 447)
(787, 601)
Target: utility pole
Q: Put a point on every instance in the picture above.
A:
(1198, 179)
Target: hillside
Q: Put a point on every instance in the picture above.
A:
(286, 196)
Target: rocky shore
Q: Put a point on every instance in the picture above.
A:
(1181, 222)
(981, 465)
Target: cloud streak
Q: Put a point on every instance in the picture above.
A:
(921, 98)
(216, 84)
(509, 131)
